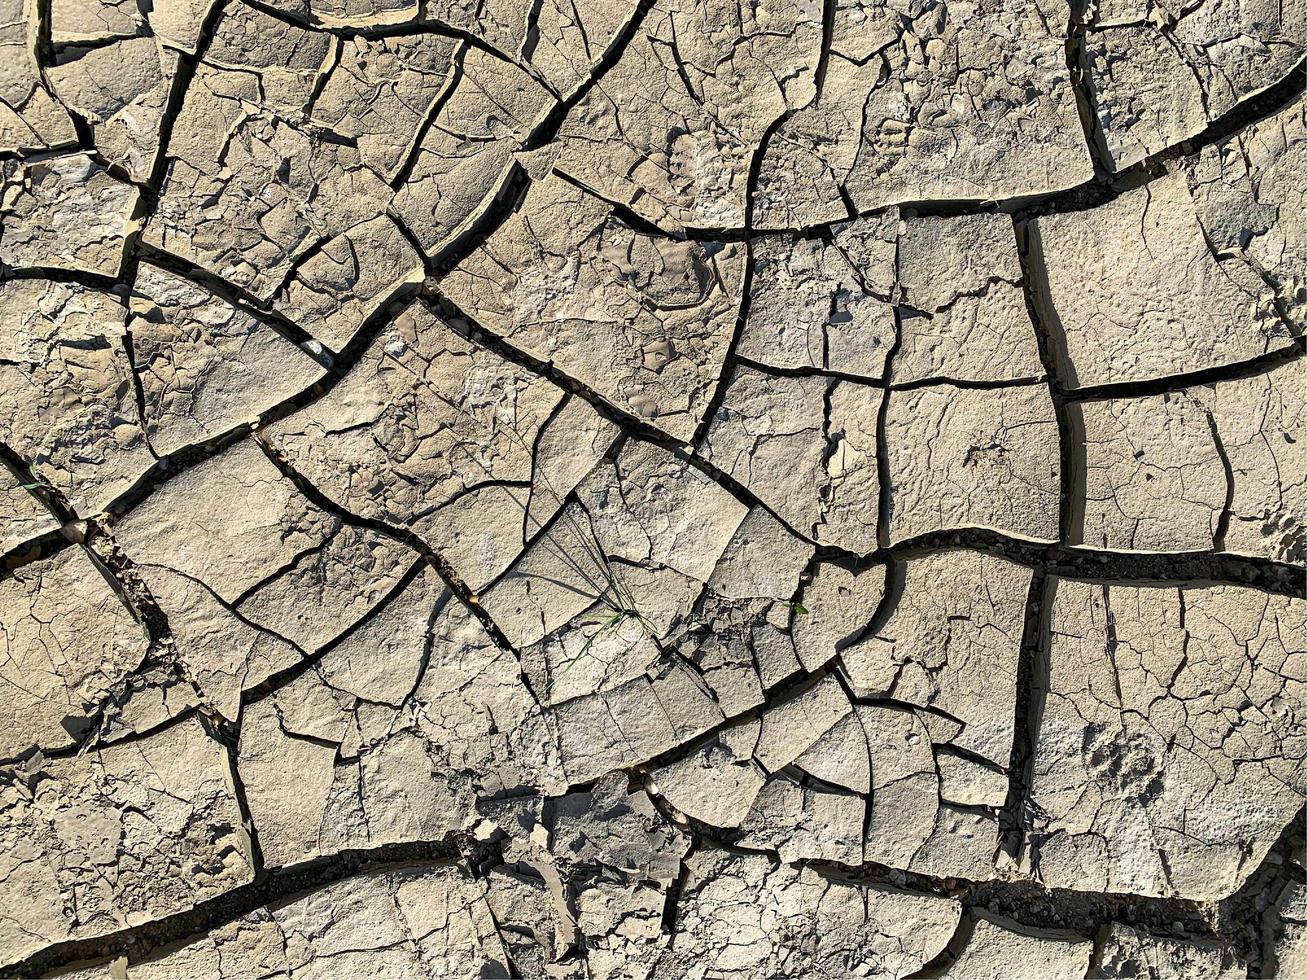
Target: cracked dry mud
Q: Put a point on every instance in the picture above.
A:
(653, 489)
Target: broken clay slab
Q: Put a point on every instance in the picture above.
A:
(69, 643)
(1137, 292)
(641, 320)
(1165, 700)
(137, 832)
(949, 103)
(1207, 467)
(1160, 74)
(69, 405)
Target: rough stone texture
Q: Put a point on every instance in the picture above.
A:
(662, 490)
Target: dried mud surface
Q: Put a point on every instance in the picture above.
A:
(656, 489)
